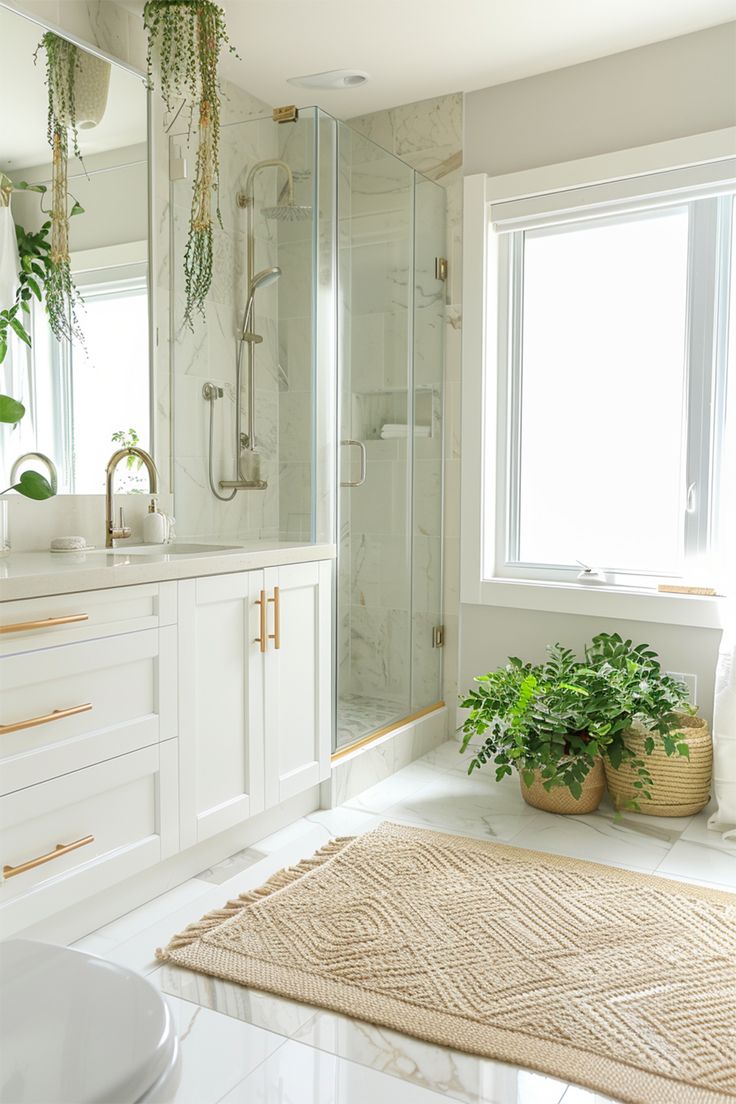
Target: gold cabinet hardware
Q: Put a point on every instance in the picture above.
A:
(276, 634)
(262, 639)
(59, 850)
(45, 623)
(55, 715)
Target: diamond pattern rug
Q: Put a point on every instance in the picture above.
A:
(620, 981)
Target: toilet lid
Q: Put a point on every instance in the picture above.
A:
(75, 1028)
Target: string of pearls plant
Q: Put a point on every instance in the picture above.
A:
(185, 38)
(62, 63)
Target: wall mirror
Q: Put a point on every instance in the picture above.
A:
(85, 395)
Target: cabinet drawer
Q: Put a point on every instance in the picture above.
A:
(62, 709)
(30, 624)
(74, 836)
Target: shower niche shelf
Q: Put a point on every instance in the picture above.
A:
(373, 410)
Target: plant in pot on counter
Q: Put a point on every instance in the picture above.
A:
(555, 722)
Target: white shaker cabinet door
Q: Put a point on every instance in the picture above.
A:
(220, 708)
(298, 662)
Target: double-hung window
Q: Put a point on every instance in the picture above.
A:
(609, 388)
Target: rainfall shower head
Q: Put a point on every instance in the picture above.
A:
(263, 278)
(287, 212)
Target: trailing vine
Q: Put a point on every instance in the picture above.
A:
(62, 297)
(186, 37)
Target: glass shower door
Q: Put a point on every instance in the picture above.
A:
(375, 265)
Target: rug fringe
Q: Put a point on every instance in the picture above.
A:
(279, 880)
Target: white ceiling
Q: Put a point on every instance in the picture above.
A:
(23, 111)
(415, 49)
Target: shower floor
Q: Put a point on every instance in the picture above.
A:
(358, 716)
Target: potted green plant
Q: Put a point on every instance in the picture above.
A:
(557, 721)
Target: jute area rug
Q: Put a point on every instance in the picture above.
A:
(622, 982)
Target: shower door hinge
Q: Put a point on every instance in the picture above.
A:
(440, 268)
(438, 636)
(286, 114)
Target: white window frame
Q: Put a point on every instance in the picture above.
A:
(703, 163)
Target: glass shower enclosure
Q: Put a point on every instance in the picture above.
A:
(340, 411)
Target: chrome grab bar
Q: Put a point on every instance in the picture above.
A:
(363, 464)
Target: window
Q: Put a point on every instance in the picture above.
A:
(611, 411)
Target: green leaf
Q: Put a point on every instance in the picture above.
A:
(77, 209)
(34, 485)
(683, 749)
(17, 328)
(528, 776)
(11, 411)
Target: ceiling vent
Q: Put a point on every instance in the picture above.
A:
(333, 78)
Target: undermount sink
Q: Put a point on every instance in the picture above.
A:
(182, 549)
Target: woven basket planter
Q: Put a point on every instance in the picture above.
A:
(560, 800)
(681, 786)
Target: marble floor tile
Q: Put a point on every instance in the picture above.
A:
(275, 1014)
(217, 1052)
(298, 1074)
(596, 838)
(694, 860)
(577, 1095)
(455, 1075)
(399, 786)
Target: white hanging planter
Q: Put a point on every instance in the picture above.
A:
(91, 88)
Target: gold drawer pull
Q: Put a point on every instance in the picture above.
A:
(46, 623)
(263, 638)
(56, 715)
(276, 634)
(59, 850)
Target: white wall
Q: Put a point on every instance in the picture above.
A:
(671, 89)
(490, 634)
(683, 86)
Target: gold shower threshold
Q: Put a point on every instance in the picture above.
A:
(379, 732)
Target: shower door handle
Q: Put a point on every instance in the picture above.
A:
(363, 464)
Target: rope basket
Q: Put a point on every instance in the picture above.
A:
(560, 800)
(681, 786)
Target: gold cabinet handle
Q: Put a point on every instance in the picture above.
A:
(276, 634)
(45, 623)
(59, 850)
(263, 638)
(55, 715)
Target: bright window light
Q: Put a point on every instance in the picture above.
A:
(110, 385)
(612, 426)
(603, 393)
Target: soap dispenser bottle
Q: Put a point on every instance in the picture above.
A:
(154, 525)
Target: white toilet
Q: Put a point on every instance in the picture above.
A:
(75, 1029)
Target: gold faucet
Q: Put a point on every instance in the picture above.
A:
(121, 532)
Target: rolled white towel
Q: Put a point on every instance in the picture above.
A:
(393, 430)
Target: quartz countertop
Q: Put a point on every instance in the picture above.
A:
(40, 574)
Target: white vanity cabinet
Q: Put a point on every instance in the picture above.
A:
(254, 692)
(138, 721)
(88, 748)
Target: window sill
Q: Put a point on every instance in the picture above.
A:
(595, 600)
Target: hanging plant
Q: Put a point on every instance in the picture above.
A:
(36, 273)
(186, 37)
(63, 62)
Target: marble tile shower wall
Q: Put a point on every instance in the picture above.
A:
(429, 136)
(208, 352)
